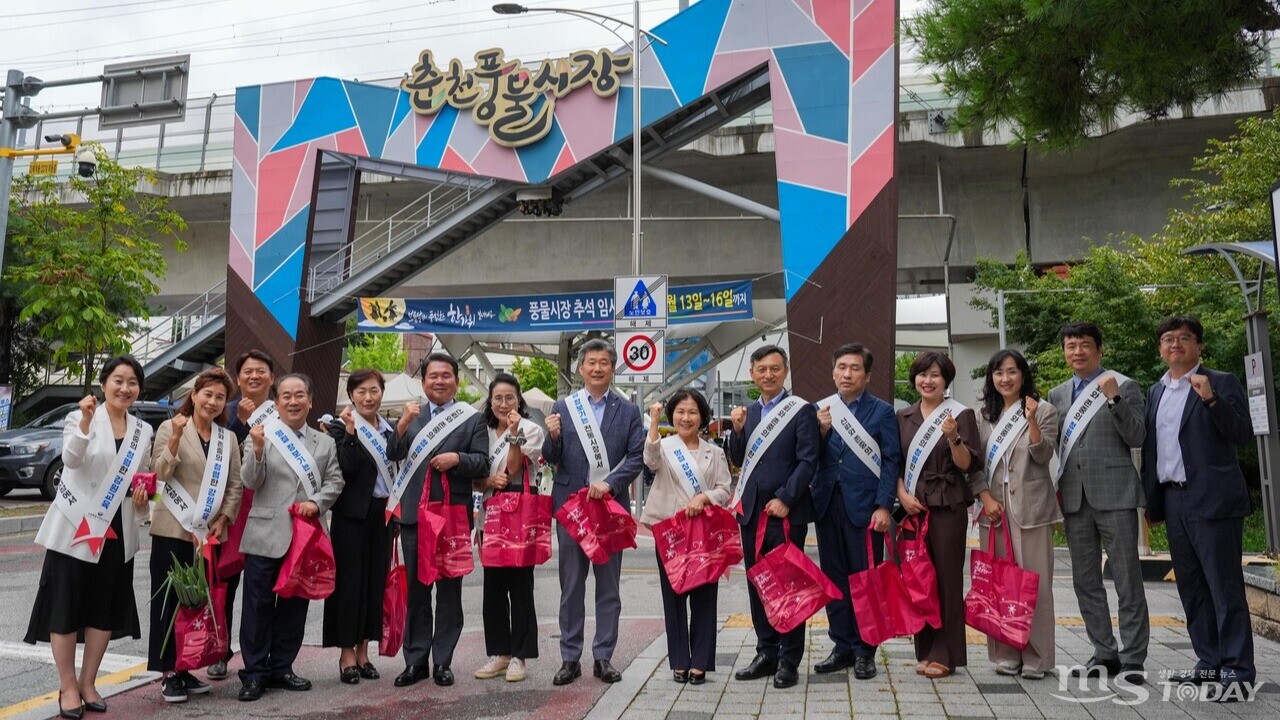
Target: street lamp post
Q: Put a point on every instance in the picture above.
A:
(603, 21)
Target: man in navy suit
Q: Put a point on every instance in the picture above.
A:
(849, 495)
(1193, 482)
(777, 466)
(618, 423)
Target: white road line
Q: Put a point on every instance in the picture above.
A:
(111, 662)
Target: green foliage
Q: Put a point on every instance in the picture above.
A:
(467, 394)
(383, 352)
(903, 387)
(535, 373)
(1055, 70)
(753, 393)
(86, 270)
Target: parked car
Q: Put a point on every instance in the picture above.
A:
(31, 456)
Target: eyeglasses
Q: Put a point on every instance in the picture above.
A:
(1171, 340)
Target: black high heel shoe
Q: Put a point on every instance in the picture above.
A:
(97, 706)
(76, 714)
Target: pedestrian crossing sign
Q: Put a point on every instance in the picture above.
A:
(640, 302)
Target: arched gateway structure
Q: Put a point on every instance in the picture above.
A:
(829, 67)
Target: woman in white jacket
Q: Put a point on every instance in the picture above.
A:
(91, 532)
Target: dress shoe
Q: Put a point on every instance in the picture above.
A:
(74, 713)
(864, 668)
(1195, 676)
(349, 675)
(411, 675)
(569, 671)
(1096, 666)
(760, 667)
(697, 678)
(369, 672)
(289, 681)
(786, 675)
(680, 676)
(443, 675)
(217, 671)
(1132, 673)
(606, 672)
(836, 661)
(252, 690)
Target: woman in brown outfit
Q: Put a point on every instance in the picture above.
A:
(934, 479)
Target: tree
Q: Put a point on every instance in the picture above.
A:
(536, 373)
(383, 352)
(1056, 70)
(87, 270)
(904, 387)
(1128, 286)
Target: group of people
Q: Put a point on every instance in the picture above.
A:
(234, 469)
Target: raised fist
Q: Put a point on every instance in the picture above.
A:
(739, 418)
(179, 423)
(245, 409)
(553, 425)
(1108, 385)
(259, 436)
(87, 406)
(655, 412)
(411, 411)
(824, 419)
(1029, 406)
(949, 426)
(349, 419)
(513, 422)
(1200, 383)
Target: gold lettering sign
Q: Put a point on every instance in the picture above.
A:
(501, 93)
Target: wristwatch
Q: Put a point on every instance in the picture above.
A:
(957, 441)
(1113, 401)
(1213, 400)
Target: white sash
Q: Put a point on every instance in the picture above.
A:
(853, 433)
(194, 514)
(682, 463)
(93, 520)
(500, 450)
(765, 433)
(924, 441)
(1081, 413)
(589, 435)
(1003, 435)
(376, 445)
(264, 412)
(285, 440)
(431, 435)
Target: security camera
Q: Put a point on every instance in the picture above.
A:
(65, 140)
(86, 163)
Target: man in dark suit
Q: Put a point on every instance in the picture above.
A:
(775, 482)
(463, 455)
(849, 496)
(618, 422)
(1191, 473)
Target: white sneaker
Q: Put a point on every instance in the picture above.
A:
(1008, 668)
(492, 669)
(515, 670)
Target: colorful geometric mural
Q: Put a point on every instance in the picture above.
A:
(832, 71)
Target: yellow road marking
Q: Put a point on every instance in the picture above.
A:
(114, 678)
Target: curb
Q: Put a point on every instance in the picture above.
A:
(20, 524)
(617, 698)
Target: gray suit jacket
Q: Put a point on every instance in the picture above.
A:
(1101, 465)
(268, 529)
(623, 443)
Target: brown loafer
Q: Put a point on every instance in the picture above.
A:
(935, 671)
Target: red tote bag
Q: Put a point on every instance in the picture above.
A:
(444, 536)
(791, 587)
(698, 550)
(230, 560)
(918, 575)
(201, 635)
(309, 570)
(395, 605)
(517, 528)
(880, 600)
(1002, 596)
(600, 527)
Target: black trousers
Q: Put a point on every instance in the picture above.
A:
(362, 553)
(427, 635)
(769, 642)
(233, 584)
(510, 619)
(1206, 566)
(272, 627)
(161, 646)
(842, 551)
(691, 624)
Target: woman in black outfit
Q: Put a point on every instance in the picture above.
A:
(361, 536)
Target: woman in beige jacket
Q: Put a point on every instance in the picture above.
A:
(198, 460)
(1018, 454)
(691, 617)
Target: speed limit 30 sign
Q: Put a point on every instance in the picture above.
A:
(641, 360)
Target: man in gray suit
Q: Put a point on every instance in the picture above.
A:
(1103, 419)
(272, 627)
(618, 422)
(463, 457)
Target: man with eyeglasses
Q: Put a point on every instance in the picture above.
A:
(1191, 473)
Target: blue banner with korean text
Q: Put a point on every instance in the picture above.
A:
(565, 312)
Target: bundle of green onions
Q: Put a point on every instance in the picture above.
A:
(189, 584)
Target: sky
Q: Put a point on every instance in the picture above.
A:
(249, 42)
